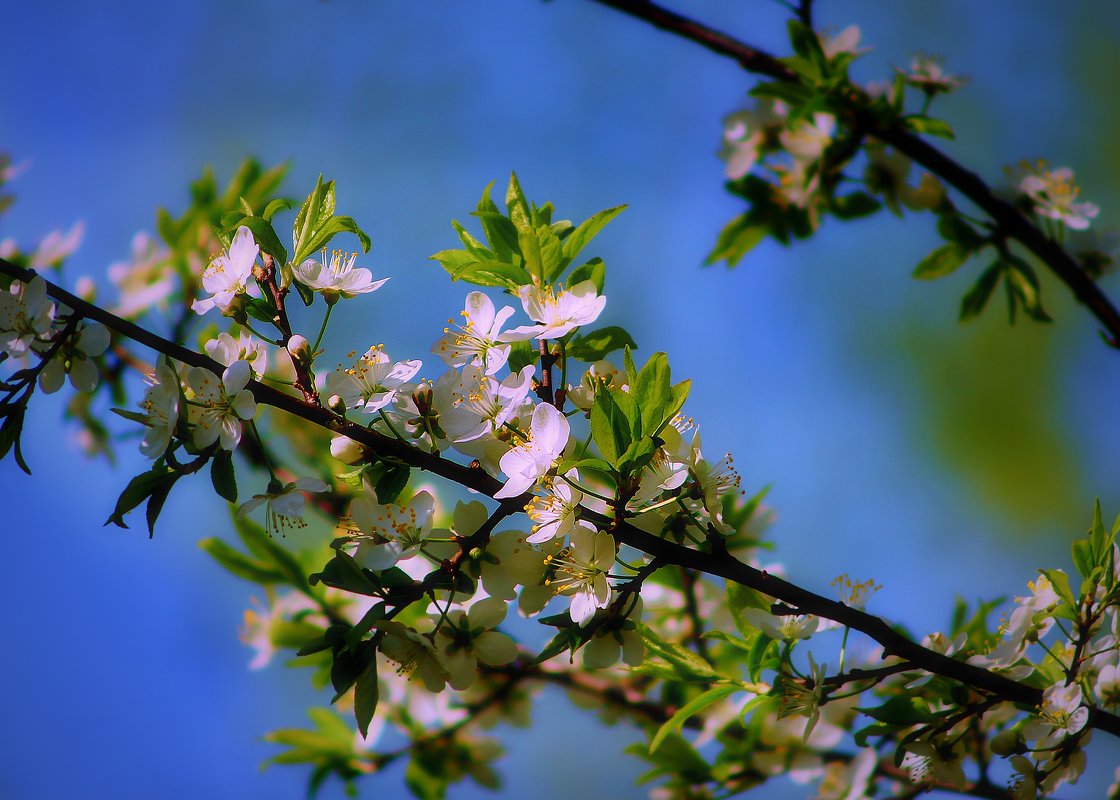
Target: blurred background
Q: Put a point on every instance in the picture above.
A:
(939, 459)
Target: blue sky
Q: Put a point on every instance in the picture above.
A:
(824, 368)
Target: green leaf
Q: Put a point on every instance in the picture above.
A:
(551, 253)
(688, 665)
(264, 547)
(738, 237)
(691, 708)
(530, 248)
(521, 355)
(588, 230)
(594, 270)
(280, 203)
(597, 344)
(929, 125)
(222, 475)
(474, 247)
(517, 207)
(900, 710)
(139, 489)
(10, 434)
(941, 262)
(366, 694)
(977, 297)
(240, 564)
(500, 234)
(492, 273)
(306, 219)
(653, 394)
(610, 429)
(740, 597)
(795, 94)
(854, 205)
(327, 230)
(1024, 283)
(1060, 581)
(343, 572)
(804, 40)
(345, 669)
(675, 757)
(266, 237)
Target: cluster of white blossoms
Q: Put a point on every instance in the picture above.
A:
(32, 326)
(440, 595)
(1053, 194)
(759, 136)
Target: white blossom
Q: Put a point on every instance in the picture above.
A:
(220, 406)
(337, 280)
(580, 572)
(476, 341)
(1054, 195)
(229, 274)
(225, 350)
(74, 359)
(556, 313)
(161, 410)
(373, 381)
(26, 314)
(283, 503)
(528, 460)
(387, 533)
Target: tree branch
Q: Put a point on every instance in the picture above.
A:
(472, 477)
(1009, 219)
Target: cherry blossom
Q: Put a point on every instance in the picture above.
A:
(476, 341)
(228, 275)
(220, 406)
(337, 280)
(556, 312)
(527, 461)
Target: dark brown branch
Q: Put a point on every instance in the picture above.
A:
(1009, 219)
(722, 565)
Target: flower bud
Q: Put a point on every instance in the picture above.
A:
(300, 349)
(347, 450)
(337, 405)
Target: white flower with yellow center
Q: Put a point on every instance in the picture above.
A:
(468, 637)
(414, 654)
(26, 315)
(809, 138)
(373, 381)
(1054, 193)
(74, 359)
(477, 404)
(337, 280)
(556, 313)
(388, 533)
(229, 274)
(283, 504)
(580, 572)
(804, 697)
(476, 341)
(556, 514)
(219, 406)
(787, 627)
(1060, 715)
(527, 461)
(226, 350)
(161, 410)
